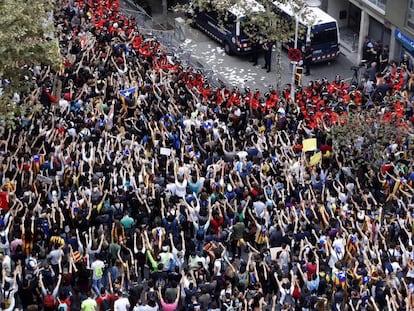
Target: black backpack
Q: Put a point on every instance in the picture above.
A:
(203, 208)
(152, 295)
(118, 209)
(105, 305)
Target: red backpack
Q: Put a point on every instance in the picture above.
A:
(49, 301)
(296, 292)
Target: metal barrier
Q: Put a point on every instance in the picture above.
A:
(165, 37)
(354, 42)
(170, 39)
(179, 29)
(142, 19)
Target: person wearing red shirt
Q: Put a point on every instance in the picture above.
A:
(219, 97)
(325, 148)
(216, 220)
(206, 91)
(319, 114)
(254, 187)
(103, 296)
(311, 265)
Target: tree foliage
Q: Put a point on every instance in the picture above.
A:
(26, 39)
(364, 137)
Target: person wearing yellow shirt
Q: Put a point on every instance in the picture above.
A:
(89, 304)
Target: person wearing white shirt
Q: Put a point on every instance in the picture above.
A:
(151, 306)
(122, 304)
(178, 255)
(97, 268)
(337, 251)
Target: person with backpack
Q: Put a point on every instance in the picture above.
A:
(170, 222)
(104, 301)
(200, 231)
(151, 294)
(49, 295)
(98, 268)
(63, 303)
(8, 292)
(166, 258)
(26, 288)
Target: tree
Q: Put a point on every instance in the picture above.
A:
(27, 39)
(363, 136)
(268, 24)
(275, 29)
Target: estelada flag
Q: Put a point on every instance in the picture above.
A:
(128, 95)
(77, 256)
(4, 200)
(340, 279)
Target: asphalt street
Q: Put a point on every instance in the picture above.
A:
(205, 53)
(238, 71)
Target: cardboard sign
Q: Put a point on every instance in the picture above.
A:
(44, 179)
(309, 144)
(165, 151)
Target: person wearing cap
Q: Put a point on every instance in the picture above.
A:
(256, 47)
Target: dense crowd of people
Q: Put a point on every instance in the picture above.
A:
(139, 186)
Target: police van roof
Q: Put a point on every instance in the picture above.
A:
(312, 15)
(239, 9)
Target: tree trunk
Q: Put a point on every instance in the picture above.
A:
(278, 66)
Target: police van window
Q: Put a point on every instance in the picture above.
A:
(230, 22)
(212, 14)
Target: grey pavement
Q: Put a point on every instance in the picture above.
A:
(206, 54)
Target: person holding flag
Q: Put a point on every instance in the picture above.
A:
(129, 100)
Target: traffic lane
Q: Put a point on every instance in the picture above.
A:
(238, 71)
(235, 70)
(340, 66)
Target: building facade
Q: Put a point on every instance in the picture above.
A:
(388, 22)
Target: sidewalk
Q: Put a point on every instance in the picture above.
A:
(349, 43)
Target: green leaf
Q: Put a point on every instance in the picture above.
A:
(23, 41)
